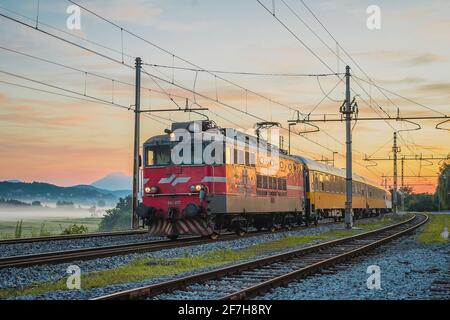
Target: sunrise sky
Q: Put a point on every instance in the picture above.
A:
(66, 141)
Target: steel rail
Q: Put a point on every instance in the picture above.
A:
(54, 257)
(72, 236)
(184, 282)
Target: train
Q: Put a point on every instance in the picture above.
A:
(201, 179)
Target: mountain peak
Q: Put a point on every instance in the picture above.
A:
(114, 181)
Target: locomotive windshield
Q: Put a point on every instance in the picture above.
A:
(157, 156)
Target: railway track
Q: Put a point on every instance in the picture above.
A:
(250, 279)
(440, 288)
(93, 253)
(72, 236)
(121, 249)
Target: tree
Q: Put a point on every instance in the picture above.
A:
(36, 204)
(420, 202)
(65, 204)
(442, 190)
(118, 218)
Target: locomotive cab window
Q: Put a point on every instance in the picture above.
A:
(157, 156)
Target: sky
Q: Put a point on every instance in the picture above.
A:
(69, 141)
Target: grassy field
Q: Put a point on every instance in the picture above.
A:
(431, 233)
(50, 226)
(154, 268)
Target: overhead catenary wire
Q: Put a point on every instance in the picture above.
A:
(63, 89)
(41, 23)
(331, 50)
(269, 99)
(117, 61)
(402, 97)
(67, 41)
(264, 74)
(173, 55)
(65, 96)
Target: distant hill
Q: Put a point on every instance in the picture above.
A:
(114, 182)
(46, 192)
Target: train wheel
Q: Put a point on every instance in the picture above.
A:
(240, 232)
(272, 229)
(316, 222)
(214, 236)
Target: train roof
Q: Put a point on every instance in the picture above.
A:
(325, 168)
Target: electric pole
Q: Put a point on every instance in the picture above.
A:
(347, 111)
(136, 157)
(403, 185)
(394, 195)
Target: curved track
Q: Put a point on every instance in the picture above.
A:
(250, 279)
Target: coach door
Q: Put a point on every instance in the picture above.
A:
(307, 191)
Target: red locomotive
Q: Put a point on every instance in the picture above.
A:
(202, 179)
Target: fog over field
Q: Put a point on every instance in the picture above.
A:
(14, 214)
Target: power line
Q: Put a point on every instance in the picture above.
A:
(68, 96)
(53, 93)
(65, 40)
(342, 48)
(88, 73)
(67, 33)
(403, 97)
(244, 72)
(238, 110)
(295, 35)
(121, 62)
(173, 55)
(63, 89)
(135, 35)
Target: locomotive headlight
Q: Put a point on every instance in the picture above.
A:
(151, 190)
(196, 188)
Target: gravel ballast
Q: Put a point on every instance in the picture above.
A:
(407, 272)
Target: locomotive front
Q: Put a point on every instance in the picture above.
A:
(177, 177)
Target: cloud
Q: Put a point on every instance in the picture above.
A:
(406, 80)
(404, 57)
(443, 88)
(141, 12)
(423, 59)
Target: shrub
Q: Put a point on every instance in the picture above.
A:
(75, 229)
(118, 218)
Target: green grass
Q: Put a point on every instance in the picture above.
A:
(34, 227)
(148, 268)
(431, 232)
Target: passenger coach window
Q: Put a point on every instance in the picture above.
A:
(259, 181)
(264, 182)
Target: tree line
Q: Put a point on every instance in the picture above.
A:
(439, 200)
